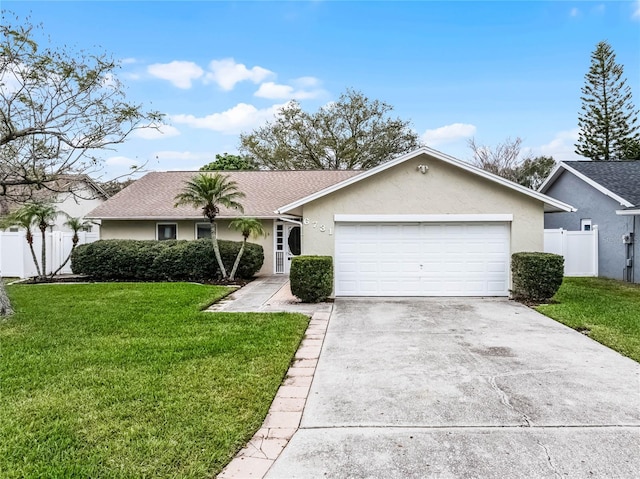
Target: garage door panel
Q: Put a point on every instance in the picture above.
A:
(496, 267)
(422, 259)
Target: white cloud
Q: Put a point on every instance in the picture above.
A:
(574, 12)
(9, 81)
(308, 82)
(561, 147)
(128, 61)
(177, 72)
(233, 121)
(163, 131)
(121, 161)
(226, 73)
(636, 10)
(274, 91)
(448, 134)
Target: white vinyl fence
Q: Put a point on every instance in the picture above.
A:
(15, 256)
(579, 248)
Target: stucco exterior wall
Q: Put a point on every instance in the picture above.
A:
(601, 209)
(186, 230)
(444, 189)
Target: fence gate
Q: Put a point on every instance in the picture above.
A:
(579, 248)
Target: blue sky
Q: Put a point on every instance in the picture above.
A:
(456, 70)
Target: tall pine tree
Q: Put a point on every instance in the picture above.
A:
(608, 119)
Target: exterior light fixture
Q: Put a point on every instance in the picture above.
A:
(423, 169)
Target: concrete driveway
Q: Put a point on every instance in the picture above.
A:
(456, 387)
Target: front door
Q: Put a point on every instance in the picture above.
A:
(287, 245)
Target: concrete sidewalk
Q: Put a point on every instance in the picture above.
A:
(267, 294)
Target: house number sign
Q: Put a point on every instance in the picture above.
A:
(320, 227)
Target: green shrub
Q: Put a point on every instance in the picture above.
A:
(311, 277)
(536, 276)
(162, 260)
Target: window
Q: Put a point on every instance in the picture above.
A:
(167, 231)
(585, 224)
(203, 230)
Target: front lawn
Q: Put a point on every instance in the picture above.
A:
(607, 310)
(133, 380)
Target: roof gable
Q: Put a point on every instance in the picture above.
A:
(619, 180)
(153, 195)
(550, 204)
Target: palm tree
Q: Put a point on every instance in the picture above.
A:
(75, 224)
(42, 216)
(24, 218)
(208, 192)
(248, 227)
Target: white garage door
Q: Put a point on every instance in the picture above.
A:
(422, 259)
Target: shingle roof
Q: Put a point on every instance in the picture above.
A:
(619, 177)
(153, 195)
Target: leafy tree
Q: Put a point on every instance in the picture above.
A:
(76, 225)
(248, 227)
(58, 109)
(631, 149)
(208, 192)
(112, 187)
(608, 118)
(505, 160)
(230, 162)
(352, 133)
(533, 171)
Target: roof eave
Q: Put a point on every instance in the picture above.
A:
(629, 212)
(553, 176)
(178, 218)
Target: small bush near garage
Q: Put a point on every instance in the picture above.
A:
(311, 277)
(536, 276)
(162, 260)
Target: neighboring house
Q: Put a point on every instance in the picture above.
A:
(607, 195)
(423, 224)
(73, 195)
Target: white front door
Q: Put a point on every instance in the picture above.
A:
(287, 245)
(422, 259)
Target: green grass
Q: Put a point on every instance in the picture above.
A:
(607, 310)
(133, 380)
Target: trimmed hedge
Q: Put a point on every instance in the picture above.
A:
(536, 276)
(311, 278)
(163, 260)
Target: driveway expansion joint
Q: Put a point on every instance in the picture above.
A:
(481, 426)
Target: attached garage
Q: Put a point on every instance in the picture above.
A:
(423, 224)
(422, 258)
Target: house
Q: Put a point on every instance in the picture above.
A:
(422, 224)
(607, 195)
(72, 195)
